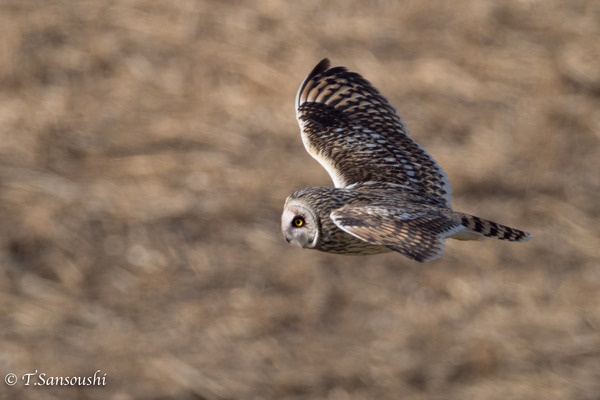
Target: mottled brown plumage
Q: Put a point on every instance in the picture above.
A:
(390, 195)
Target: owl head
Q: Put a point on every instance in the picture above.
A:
(299, 224)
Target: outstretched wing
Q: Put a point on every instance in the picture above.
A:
(357, 135)
(416, 234)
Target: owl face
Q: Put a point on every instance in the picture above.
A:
(299, 225)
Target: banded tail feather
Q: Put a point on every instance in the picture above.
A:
(491, 229)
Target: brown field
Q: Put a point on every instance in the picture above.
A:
(146, 150)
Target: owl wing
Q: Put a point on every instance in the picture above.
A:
(358, 137)
(417, 234)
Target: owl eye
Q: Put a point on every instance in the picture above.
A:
(298, 222)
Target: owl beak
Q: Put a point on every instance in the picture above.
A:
(287, 239)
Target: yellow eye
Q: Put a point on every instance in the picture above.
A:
(298, 222)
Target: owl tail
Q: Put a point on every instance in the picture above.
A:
(478, 228)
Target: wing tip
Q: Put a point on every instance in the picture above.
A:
(321, 67)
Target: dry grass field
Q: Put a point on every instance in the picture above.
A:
(146, 150)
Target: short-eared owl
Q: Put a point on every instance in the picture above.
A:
(389, 193)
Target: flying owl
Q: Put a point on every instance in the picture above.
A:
(389, 194)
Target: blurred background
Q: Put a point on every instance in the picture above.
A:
(146, 150)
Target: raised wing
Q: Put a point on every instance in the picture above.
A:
(358, 137)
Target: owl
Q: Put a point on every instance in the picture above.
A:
(389, 194)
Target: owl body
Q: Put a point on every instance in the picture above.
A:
(314, 205)
(389, 194)
(319, 206)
